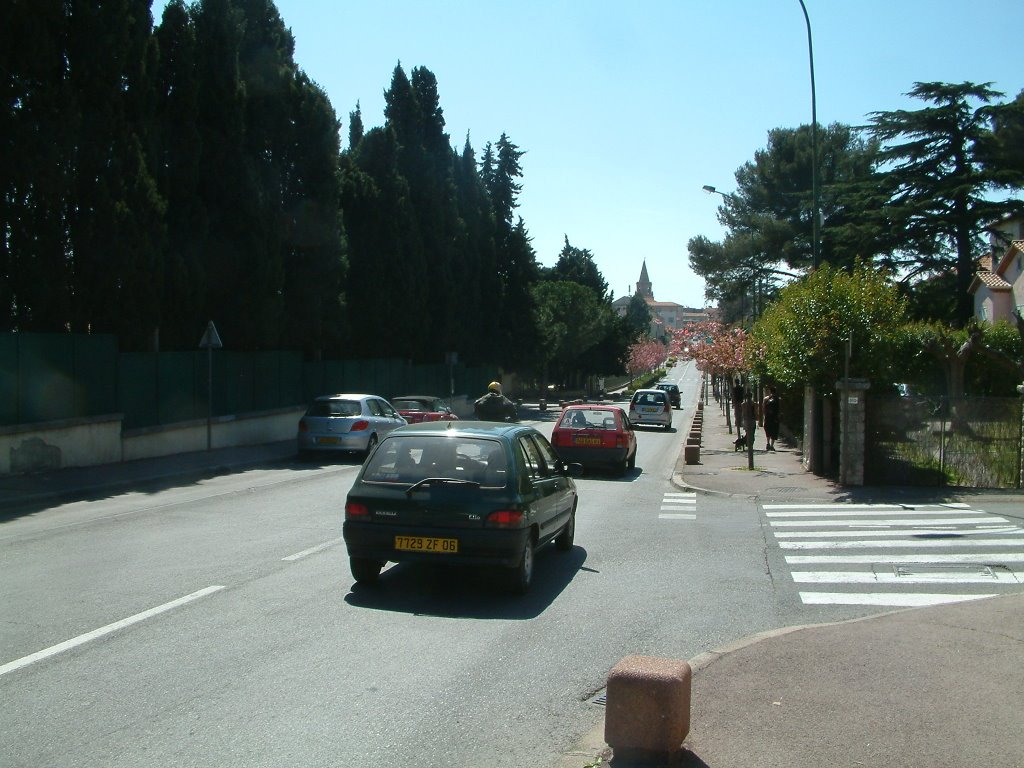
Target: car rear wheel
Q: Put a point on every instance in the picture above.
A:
(522, 574)
(370, 445)
(365, 570)
(564, 540)
(632, 461)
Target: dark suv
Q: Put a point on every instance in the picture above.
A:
(673, 392)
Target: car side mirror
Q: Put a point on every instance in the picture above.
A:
(574, 469)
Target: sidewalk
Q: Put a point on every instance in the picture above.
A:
(938, 687)
(723, 469)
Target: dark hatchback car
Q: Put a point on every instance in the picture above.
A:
(673, 391)
(460, 493)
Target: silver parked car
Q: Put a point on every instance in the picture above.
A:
(353, 423)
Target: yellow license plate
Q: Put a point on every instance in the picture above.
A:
(587, 441)
(327, 441)
(427, 544)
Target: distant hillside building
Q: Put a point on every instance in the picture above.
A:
(665, 315)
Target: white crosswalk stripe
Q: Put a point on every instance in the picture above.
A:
(881, 554)
(678, 506)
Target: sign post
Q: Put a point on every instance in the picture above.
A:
(452, 358)
(209, 342)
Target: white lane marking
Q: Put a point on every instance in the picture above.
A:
(902, 543)
(676, 516)
(852, 511)
(900, 600)
(887, 523)
(692, 495)
(314, 550)
(841, 505)
(868, 577)
(678, 507)
(989, 558)
(934, 531)
(74, 642)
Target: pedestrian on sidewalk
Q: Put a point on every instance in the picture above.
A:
(749, 419)
(737, 403)
(770, 417)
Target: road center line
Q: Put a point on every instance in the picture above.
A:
(74, 642)
(314, 550)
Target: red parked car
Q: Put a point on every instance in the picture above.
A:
(595, 436)
(420, 408)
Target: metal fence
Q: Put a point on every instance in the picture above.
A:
(48, 377)
(973, 442)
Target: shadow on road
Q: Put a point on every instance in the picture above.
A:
(470, 592)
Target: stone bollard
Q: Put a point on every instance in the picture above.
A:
(647, 715)
(691, 453)
(543, 405)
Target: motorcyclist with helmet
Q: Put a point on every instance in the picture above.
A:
(494, 406)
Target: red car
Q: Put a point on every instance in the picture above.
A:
(419, 408)
(595, 436)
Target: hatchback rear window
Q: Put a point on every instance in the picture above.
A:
(334, 408)
(589, 418)
(411, 405)
(649, 398)
(411, 458)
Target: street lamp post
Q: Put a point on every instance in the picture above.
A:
(728, 390)
(815, 255)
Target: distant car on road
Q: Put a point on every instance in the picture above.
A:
(460, 493)
(595, 435)
(417, 408)
(347, 422)
(651, 406)
(673, 392)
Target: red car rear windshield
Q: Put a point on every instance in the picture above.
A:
(588, 418)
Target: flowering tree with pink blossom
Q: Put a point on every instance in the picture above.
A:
(717, 349)
(645, 355)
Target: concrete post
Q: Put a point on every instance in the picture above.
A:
(810, 445)
(852, 427)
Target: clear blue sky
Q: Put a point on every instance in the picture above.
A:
(625, 110)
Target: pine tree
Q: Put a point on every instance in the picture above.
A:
(938, 184)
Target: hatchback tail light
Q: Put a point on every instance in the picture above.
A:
(505, 518)
(360, 425)
(668, 406)
(354, 509)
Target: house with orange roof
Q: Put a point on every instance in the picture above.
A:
(998, 285)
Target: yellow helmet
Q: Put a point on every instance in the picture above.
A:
(494, 386)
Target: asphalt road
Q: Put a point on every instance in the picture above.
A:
(216, 623)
